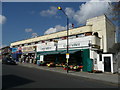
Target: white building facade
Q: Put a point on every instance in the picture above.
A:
(95, 39)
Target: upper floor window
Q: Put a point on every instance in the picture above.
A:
(51, 40)
(26, 44)
(80, 35)
(43, 41)
(88, 33)
(65, 37)
(73, 36)
(36, 42)
(29, 43)
(76, 36)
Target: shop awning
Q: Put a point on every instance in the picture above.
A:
(48, 52)
(70, 51)
(58, 52)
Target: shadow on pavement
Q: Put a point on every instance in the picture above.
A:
(11, 81)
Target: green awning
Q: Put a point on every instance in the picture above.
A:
(70, 51)
(58, 52)
(48, 52)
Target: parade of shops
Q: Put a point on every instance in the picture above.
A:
(88, 47)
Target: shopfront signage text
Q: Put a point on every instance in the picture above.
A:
(28, 49)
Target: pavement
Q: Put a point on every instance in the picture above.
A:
(106, 77)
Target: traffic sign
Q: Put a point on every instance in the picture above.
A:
(67, 55)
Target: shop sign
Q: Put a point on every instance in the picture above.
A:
(28, 49)
(67, 55)
(14, 50)
(62, 44)
(17, 50)
(5, 50)
(41, 47)
(41, 57)
(77, 42)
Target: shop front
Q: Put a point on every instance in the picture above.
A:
(79, 53)
(29, 53)
(5, 53)
(16, 53)
(46, 52)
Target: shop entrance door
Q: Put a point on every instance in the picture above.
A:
(107, 64)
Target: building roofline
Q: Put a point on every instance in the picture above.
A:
(50, 34)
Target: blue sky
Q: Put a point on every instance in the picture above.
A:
(24, 20)
(21, 16)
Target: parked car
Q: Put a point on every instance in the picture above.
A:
(9, 61)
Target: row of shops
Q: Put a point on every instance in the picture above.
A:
(88, 47)
(24, 54)
(80, 53)
(5, 52)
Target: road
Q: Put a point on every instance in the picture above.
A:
(15, 76)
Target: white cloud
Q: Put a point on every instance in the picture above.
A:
(57, 28)
(28, 30)
(51, 11)
(70, 12)
(88, 10)
(2, 19)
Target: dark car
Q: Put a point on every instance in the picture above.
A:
(9, 61)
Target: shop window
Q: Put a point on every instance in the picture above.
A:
(29, 43)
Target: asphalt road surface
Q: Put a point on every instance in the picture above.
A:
(15, 76)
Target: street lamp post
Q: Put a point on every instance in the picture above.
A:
(56, 45)
(59, 8)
